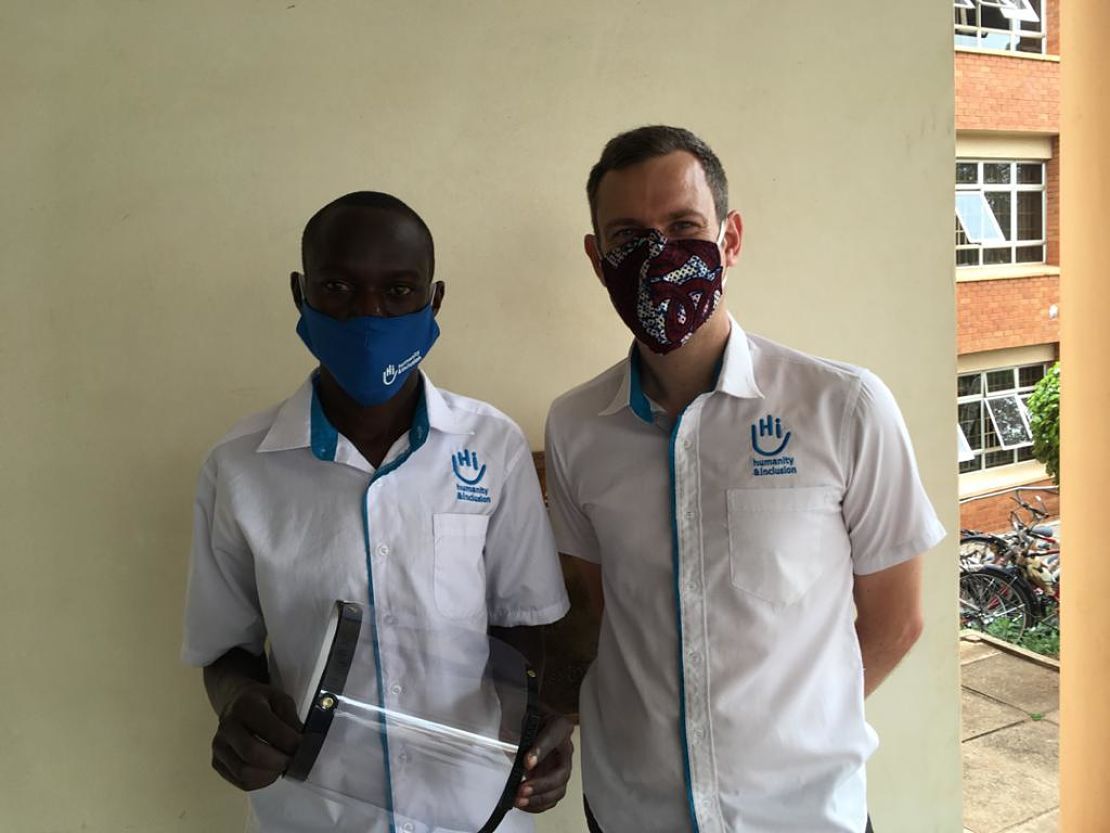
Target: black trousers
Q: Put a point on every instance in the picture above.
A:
(591, 822)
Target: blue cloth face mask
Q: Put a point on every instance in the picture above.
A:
(369, 356)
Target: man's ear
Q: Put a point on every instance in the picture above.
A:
(439, 289)
(295, 284)
(734, 232)
(589, 243)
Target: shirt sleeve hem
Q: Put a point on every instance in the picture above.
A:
(901, 553)
(199, 658)
(528, 617)
(584, 553)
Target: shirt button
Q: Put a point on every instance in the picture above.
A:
(694, 656)
(689, 513)
(407, 827)
(688, 445)
(699, 733)
(389, 619)
(396, 689)
(383, 550)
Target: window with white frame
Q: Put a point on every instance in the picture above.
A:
(993, 417)
(1000, 212)
(1009, 25)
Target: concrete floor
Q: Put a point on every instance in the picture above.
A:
(1010, 738)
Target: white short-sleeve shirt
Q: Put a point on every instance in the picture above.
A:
(727, 694)
(289, 517)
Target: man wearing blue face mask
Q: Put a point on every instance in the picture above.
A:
(727, 502)
(368, 484)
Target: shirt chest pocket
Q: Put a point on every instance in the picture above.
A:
(781, 541)
(460, 567)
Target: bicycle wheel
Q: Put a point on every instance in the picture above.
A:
(976, 550)
(995, 601)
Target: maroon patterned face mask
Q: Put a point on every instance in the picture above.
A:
(664, 289)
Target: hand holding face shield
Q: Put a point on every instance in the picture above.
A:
(425, 729)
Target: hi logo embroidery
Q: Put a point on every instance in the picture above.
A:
(767, 434)
(392, 371)
(468, 474)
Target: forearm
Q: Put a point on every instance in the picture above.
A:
(228, 675)
(882, 648)
(529, 641)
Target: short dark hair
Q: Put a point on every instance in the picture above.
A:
(368, 199)
(643, 143)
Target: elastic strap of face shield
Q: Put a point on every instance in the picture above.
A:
(529, 729)
(332, 683)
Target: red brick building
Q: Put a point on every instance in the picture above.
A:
(1007, 252)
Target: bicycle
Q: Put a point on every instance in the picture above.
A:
(1011, 582)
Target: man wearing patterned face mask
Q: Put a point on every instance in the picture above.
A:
(726, 501)
(368, 484)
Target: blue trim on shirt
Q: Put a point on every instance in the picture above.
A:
(323, 437)
(418, 434)
(324, 440)
(676, 564)
(637, 402)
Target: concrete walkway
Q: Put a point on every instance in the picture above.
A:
(1010, 735)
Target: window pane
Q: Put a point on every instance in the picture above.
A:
(1025, 453)
(1030, 174)
(1030, 375)
(990, 439)
(1000, 203)
(978, 219)
(996, 173)
(967, 173)
(1030, 215)
(991, 18)
(1030, 254)
(1000, 380)
(995, 256)
(970, 384)
(967, 257)
(1032, 13)
(1032, 45)
(994, 459)
(1009, 421)
(971, 422)
(972, 465)
(1020, 10)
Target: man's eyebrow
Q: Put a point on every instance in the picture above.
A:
(686, 213)
(680, 214)
(622, 221)
(389, 274)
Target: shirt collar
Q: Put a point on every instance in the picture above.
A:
(735, 377)
(300, 421)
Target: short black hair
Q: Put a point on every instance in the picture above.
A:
(644, 143)
(368, 199)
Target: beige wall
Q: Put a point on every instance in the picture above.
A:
(158, 160)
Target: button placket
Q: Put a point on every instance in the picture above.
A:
(692, 611)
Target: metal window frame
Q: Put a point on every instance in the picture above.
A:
(1016, 11)
(1021, 392)
(1012, 187)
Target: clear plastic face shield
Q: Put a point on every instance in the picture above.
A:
(423, 729)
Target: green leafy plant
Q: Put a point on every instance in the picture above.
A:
(1042, 638)
(1044, 419)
